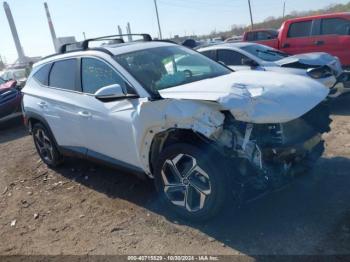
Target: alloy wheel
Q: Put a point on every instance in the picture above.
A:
(44, 145)
(186, 184)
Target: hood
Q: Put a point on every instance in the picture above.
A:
(313, 60)
(8, 84)
(256, 97)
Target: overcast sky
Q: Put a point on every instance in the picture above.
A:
(101, 17)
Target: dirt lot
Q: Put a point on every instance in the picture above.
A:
(82, 208)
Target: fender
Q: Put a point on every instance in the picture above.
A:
(30, 116)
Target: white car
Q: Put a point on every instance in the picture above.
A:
(252, 56)
(18, 74)
(204, 137)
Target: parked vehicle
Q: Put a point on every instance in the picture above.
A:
(10, 100)
(328, 33)
(17, 74)
(204, 136)
(251, 56)
(263, 36)
(233, 39)
(7, 84)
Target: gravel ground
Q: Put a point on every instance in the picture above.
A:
(83, 208)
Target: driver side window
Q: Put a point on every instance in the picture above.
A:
(97, 74)
(230, 58)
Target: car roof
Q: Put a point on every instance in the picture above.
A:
(235, 45)
(113, 49)
(316, 16)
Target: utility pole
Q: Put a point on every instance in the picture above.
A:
(20, 52)
(159, 29)
(284, 9)
(251, 16)
(52, 29)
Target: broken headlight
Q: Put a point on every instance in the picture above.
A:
(320, 72)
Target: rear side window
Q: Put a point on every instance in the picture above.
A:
(63, 74)
(335, 26)
(300, 29)
(230, 58)
(263, 36)
(42, 75)
(210, 54)
(251, 36)
(97, 74)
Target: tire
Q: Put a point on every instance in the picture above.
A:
(45, 145)
(185, 170)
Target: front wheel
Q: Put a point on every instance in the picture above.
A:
(191, 182)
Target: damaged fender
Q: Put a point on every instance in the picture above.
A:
(154, 117)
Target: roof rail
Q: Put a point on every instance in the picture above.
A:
(85, 43)
(63, 48)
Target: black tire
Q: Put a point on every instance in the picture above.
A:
(46, 146)
(213, 180)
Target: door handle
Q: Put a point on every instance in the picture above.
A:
(85, 114)
(319, 42)
(42, 104)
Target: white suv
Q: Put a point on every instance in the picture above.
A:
(200, 130)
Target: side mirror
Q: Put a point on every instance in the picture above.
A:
(111, 93)
(249, 62)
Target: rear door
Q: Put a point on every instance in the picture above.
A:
(61, 104)
(333, 36)
(298, 38)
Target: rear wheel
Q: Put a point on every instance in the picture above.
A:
(45, 145)
(190, 182)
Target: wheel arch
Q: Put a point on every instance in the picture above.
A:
(33, 118)
(170, 137)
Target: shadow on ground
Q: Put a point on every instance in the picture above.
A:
(341, 105)
(296, 219)
(12, 130)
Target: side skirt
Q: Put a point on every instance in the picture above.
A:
(92, 156)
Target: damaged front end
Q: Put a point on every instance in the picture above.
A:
(272, 126)
(268, 156)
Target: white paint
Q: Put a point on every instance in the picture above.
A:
(257, 97)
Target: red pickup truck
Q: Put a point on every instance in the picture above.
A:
(320, 33)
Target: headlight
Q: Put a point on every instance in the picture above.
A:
(320, 72)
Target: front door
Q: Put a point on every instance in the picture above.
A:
(107, 126)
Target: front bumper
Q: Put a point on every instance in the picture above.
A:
(291, 154)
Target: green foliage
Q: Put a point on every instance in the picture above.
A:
(276, 22)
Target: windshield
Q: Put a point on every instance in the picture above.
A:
(264, 52)
(165, 67)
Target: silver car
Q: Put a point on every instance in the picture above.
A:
(251, 56)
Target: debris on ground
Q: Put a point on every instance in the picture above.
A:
(5, 191)
(13, 222)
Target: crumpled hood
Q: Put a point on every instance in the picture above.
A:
(313, 59)
(257, 97)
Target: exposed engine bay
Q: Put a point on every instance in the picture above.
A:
(270, 155)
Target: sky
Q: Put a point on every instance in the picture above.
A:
(101, 17)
